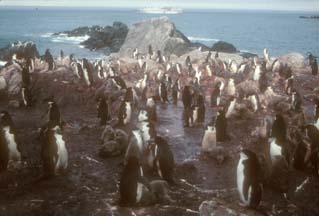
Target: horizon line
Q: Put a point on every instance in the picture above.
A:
(137, 8)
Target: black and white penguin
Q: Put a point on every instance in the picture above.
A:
(221, 126)
(159, 57)
(132, 183)
(162, 92)
(151, 109)
(231, 107)
(187, 97)
(279, 128)
(249, 183)
(163, 159)
(146, 127)
(136, 147)
(117, 80)
(49, 59)
(216, 55)
(263, 82)
(135, 53)
(26, 96)
(289, 85)
(87, 72)
(314, 66)
(201, 108)
(254, 101)
(53, 150)
(103, 111)
(296, 101)
(176, 91)
(9, 148)
(150, 51)
(54, 112)
(77, 69)
(125, 113)
(316, 113)
(188, 61)
(208, 57)
(178, 67)
(215, 95)
(30, 64)
(311, 138)
(26, 79)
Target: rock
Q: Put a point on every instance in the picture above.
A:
(218, 207)
(13, 80)
(161, 33)
(294, 60)
(3, 84)
(222, 46)
(22, 49)
(108, 38)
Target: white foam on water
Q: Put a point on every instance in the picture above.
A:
(63, 38)
(191, 38)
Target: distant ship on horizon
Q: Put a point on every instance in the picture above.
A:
(161, 10)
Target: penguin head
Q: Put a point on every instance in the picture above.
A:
(143, 115)
(5, 118)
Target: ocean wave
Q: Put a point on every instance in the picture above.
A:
(64, 38)
(46, 35)
(202, 39)
(2, 63)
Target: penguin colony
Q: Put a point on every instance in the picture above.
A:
(143, 147)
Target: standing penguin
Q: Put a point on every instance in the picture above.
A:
(175, 91)
(54, 112)
(249, 184)
(53, 150)
(103, 111)
(26, 96)
(162, 90)
(125, 113)
(150, 51)
(49, 59)
(201, 108)
(316, 114)
(163, 159)
(314, 66)
(289, 85)
(296, 101)
(87, 72)
(279, 128)
(159, 57)
(132, 184)
(26, 80)
(9, 148)
(187, 97)
(215, 96)
(221, 127)
(311, 138)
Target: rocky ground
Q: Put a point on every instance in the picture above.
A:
(91, 185)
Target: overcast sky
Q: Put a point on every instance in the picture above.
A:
(298, 5)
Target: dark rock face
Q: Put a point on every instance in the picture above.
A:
(222, 46)
(109, 38)
(21, 49)
(161, 34)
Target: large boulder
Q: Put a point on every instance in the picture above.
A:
(222, 46)
(161, 33)
(21, 49)
(108, 39)
(295, 60)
